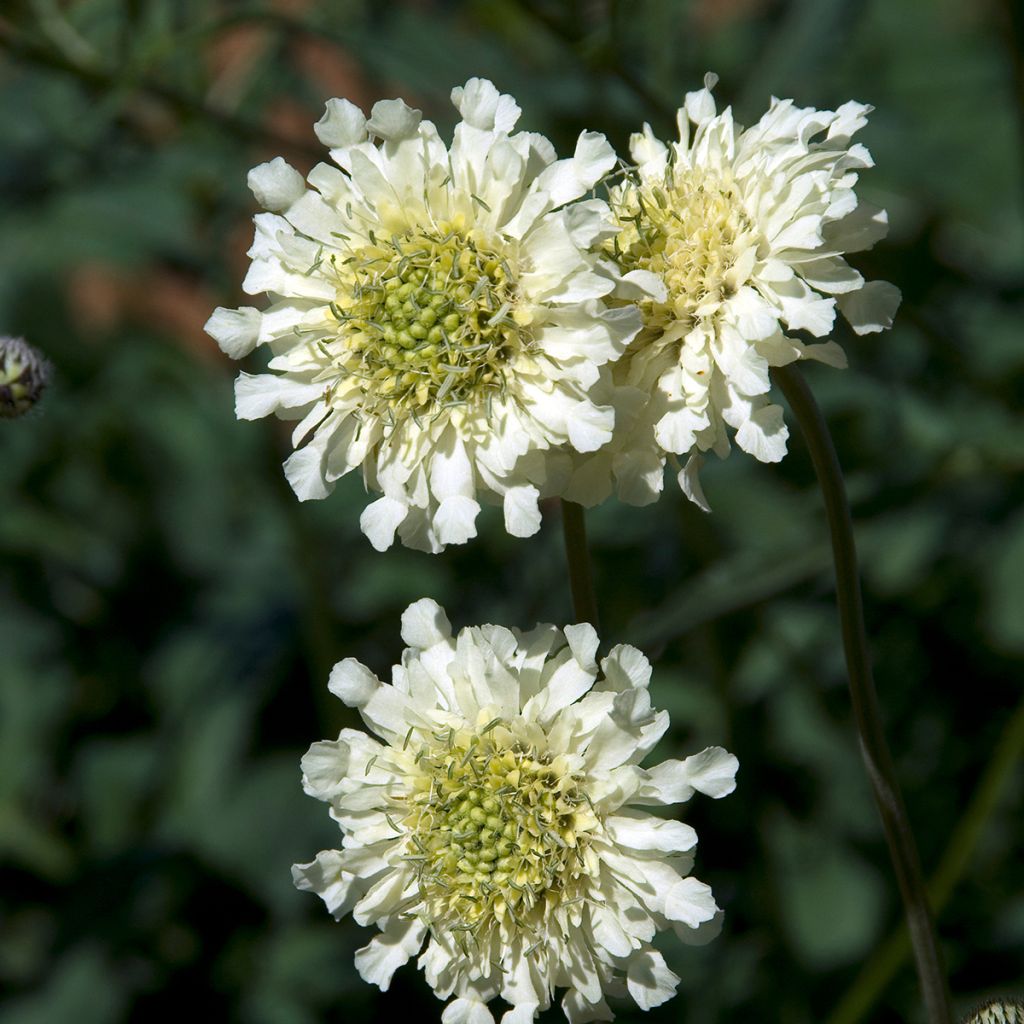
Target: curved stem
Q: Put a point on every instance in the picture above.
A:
(889, 956)
(574, 529)
(875, 750)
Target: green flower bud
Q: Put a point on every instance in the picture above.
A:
(24, 375)
(998, 1012)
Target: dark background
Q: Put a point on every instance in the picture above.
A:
(169, 612)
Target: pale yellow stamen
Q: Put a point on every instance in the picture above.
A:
(427, 319)
(691, 231)
(497, 830)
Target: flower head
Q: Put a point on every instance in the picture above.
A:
(438, 320)
(496, 817)
(747, 230)
(24, 375)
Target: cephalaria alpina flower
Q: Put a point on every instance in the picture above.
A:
(747, 229)
(498, 818)
(438, 320)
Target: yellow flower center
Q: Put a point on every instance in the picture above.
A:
(428, 319)
(498, 830)
(690, 231)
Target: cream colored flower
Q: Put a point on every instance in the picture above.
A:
(497, 816)
(436, 315)
(747, 229)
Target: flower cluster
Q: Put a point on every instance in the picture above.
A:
(461, 324)
(498, 817)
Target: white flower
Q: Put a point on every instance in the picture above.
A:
(747, 230)
(436, 313)
(497, 817)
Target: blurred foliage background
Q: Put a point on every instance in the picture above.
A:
(168, 611)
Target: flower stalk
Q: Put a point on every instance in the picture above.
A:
(875, 750)
(581, 581)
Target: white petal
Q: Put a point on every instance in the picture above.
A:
(259, 394)
(712, 772)
(393, 120)
(564, 681)
(583, 642)
(236, 331)
(645, 832)
(641, 284)
(690, 902)
(424, 624)
(579, 1011)
(590, 222)
(829, 353)
(482, 106)
(859, 230)
(276, 185)
(639, 476)
(352, 682)
(764, 435)
(569, 179)
(455, 519)
(522, 513)
(753, 316)
(689, 482)
(830, 274)
(740, 361)
(803, 309)
(342, 125)
(625, 668)
(377, 961)
(872, 308)
(339, 877)
(676, 430)
(608, 930)
(466, 1011)
(521, 1013)
(700, 105)
(451, 473)
(324, 767)
(385, 897)
(649, 980)
(703, 933)
(648, 152)
(590, 426)
(625, 736)
(304, 470)
(380, 519)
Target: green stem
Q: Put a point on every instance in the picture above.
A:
(887, 958)
(574, 529)
(875, 750)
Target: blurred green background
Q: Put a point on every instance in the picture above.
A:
(168, 611)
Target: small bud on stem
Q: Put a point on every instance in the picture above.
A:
(998, 1012)
(24, 375)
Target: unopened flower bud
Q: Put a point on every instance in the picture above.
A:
(24, 374)
(998, 1012)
